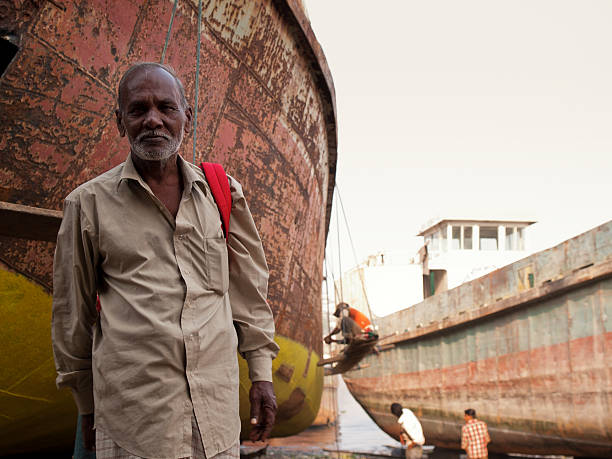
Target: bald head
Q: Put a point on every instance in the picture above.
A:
(144, 67)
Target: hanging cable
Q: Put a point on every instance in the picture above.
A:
(348, 230)
(163, 56)
(334, 387)
(197, 82)
(327, 298)
(339, 251)
(336, 293)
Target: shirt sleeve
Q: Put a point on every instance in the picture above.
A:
(74, 306)
(248, 289)
(464, 440)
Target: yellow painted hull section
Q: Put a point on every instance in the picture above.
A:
(35, 416)
(298, 398)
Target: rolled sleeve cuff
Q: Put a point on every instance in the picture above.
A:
(84, 401)
(260, 368)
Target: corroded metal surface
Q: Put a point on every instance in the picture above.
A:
(533, 358)
(266, 112)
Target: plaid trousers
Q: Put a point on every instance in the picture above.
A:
(106, 448)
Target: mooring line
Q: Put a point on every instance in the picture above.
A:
(197, 82)
(163, 56)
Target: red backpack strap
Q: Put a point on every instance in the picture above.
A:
(219, 186)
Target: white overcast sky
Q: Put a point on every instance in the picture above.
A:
(452, 108)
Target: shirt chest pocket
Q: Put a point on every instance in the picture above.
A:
(216, 272)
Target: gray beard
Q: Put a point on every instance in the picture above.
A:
(160, 155)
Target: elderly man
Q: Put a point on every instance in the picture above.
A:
(158, 365)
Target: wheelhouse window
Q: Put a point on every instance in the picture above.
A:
(444, 239)
(467, 237)
(510, 240)
(520, 236)
(435, 241)
(488, 238)
(456, 238)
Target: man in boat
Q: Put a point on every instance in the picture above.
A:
(474, 436)
(411, 432)
(157, 364)
(353, 324)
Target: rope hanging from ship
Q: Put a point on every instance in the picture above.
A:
(348, 230)
(334, 392)
(357, 345)
(197, 71)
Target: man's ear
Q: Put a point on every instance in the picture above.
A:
(120, 125)
(189, 116)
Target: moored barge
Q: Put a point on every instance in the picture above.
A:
(528, 346)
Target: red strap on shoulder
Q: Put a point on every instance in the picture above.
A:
(219, 186)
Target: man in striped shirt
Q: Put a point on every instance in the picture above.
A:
(474, 436)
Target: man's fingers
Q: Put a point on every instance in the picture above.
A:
(255, 399)
(257, 433)
(88, 432)
(263, 410)
(270, 412)
(266, 431)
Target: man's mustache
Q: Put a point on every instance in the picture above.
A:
(144, 135)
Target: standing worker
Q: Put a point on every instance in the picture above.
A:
(158, 365)
(411, 432)
(353, 324)
(474, 436)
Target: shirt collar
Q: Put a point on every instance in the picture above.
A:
(190, 176)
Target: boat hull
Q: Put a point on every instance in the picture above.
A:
(265, 111)
(533, 359)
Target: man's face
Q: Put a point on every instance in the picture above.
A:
(152, 115)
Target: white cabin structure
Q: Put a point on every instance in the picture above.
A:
(458, 251)
(454, 251)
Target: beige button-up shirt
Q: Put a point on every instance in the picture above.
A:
(173, 312)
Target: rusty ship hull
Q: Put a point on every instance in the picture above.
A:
(528, 346)
(266, 111)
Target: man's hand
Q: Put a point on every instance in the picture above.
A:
(327, 340)
(263, 410)
(88, 432)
